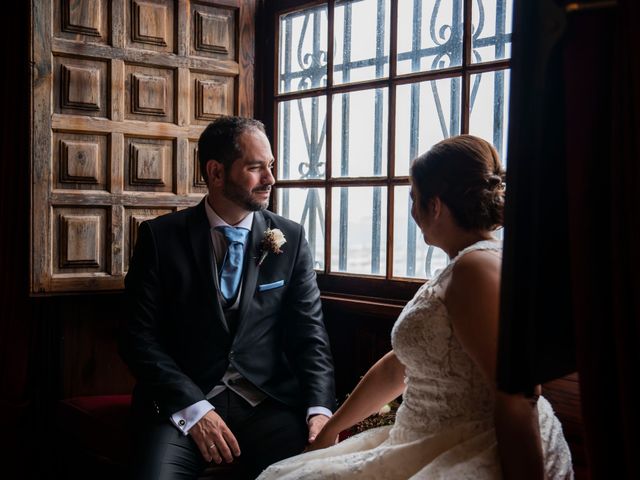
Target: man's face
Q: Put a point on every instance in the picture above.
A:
(248, 182)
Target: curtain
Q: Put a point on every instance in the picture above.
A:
(603, 146)
(572, 232)
(536, 330)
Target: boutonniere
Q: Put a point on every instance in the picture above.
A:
(272, 241)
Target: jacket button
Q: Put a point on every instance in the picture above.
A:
(231, 355)
(181, 423)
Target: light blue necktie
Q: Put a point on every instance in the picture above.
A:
(231, 270)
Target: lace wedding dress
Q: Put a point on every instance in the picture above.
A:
(444, 426)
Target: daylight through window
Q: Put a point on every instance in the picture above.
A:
(364, 86)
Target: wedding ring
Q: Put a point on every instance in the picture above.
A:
(211, 446)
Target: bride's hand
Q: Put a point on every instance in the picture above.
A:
(324, 439)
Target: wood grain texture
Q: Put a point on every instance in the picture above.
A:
(184, 30)
(148, 93)
(41, 85)
(122, 90)
(80, 240)
(80, 86)
(182, 168)
(66, 47)
(117, 247)
(215, 31)
(184, 94)
(151, 26)
(246, 59)
(103, 125)
(82, 20)
(80, 161)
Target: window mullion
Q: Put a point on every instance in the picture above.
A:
(286, 153)
(391, 137)
(328, 199)
(466, 61)
(344, 154)
(377, 160)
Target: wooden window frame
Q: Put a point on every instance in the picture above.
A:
(385, 289)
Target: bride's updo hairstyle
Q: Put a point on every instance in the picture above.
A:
(466, 173)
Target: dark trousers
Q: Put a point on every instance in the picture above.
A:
(266, 433)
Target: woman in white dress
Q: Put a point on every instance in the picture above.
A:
(453, 423)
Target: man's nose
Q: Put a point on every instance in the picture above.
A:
(269, 179)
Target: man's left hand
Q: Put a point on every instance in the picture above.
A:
(316, 423)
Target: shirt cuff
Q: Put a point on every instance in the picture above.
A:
(318, 411)
(188, 417)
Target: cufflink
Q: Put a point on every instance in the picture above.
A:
(181, 423)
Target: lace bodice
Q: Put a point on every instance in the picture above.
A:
(444, 385)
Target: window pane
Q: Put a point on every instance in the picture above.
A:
(429, 35)
(303, 49)
(426, 113)
(412, 257)
(306, 206)
(360, 134)
(302, 138)
(359, 230)
(490, 108)
(492, 24)
(361, 46)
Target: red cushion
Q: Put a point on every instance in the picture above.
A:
(99, 423)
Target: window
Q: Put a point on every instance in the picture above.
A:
(362, 87)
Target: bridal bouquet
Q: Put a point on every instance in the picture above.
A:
(385, 416)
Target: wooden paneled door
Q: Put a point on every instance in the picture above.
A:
(121, 90)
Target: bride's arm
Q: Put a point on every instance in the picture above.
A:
(382, 383)
(473, 299)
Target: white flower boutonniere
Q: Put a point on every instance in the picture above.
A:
(272, 241)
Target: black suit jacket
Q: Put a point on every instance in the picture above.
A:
(176, 341)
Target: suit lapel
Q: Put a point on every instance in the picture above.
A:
(200, 238)
(250, 276)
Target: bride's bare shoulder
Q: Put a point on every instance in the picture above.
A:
(476, 273)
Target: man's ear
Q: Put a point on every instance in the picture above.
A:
(215, 172)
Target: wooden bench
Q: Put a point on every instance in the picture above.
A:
(94, 439)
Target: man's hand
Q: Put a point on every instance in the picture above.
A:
(214, 439)
(316, 423)
(319, 436)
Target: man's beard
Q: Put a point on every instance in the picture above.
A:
(242, 197)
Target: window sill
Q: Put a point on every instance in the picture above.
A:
(349, 304)
(368, 288)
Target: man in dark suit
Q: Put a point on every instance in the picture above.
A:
(225, 336)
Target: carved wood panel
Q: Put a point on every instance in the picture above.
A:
(122, 90)
(80, 161)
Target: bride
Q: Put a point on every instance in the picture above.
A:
(453, 423)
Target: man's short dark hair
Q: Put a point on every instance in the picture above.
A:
(219, 141)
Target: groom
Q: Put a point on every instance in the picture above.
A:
(225, 334)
